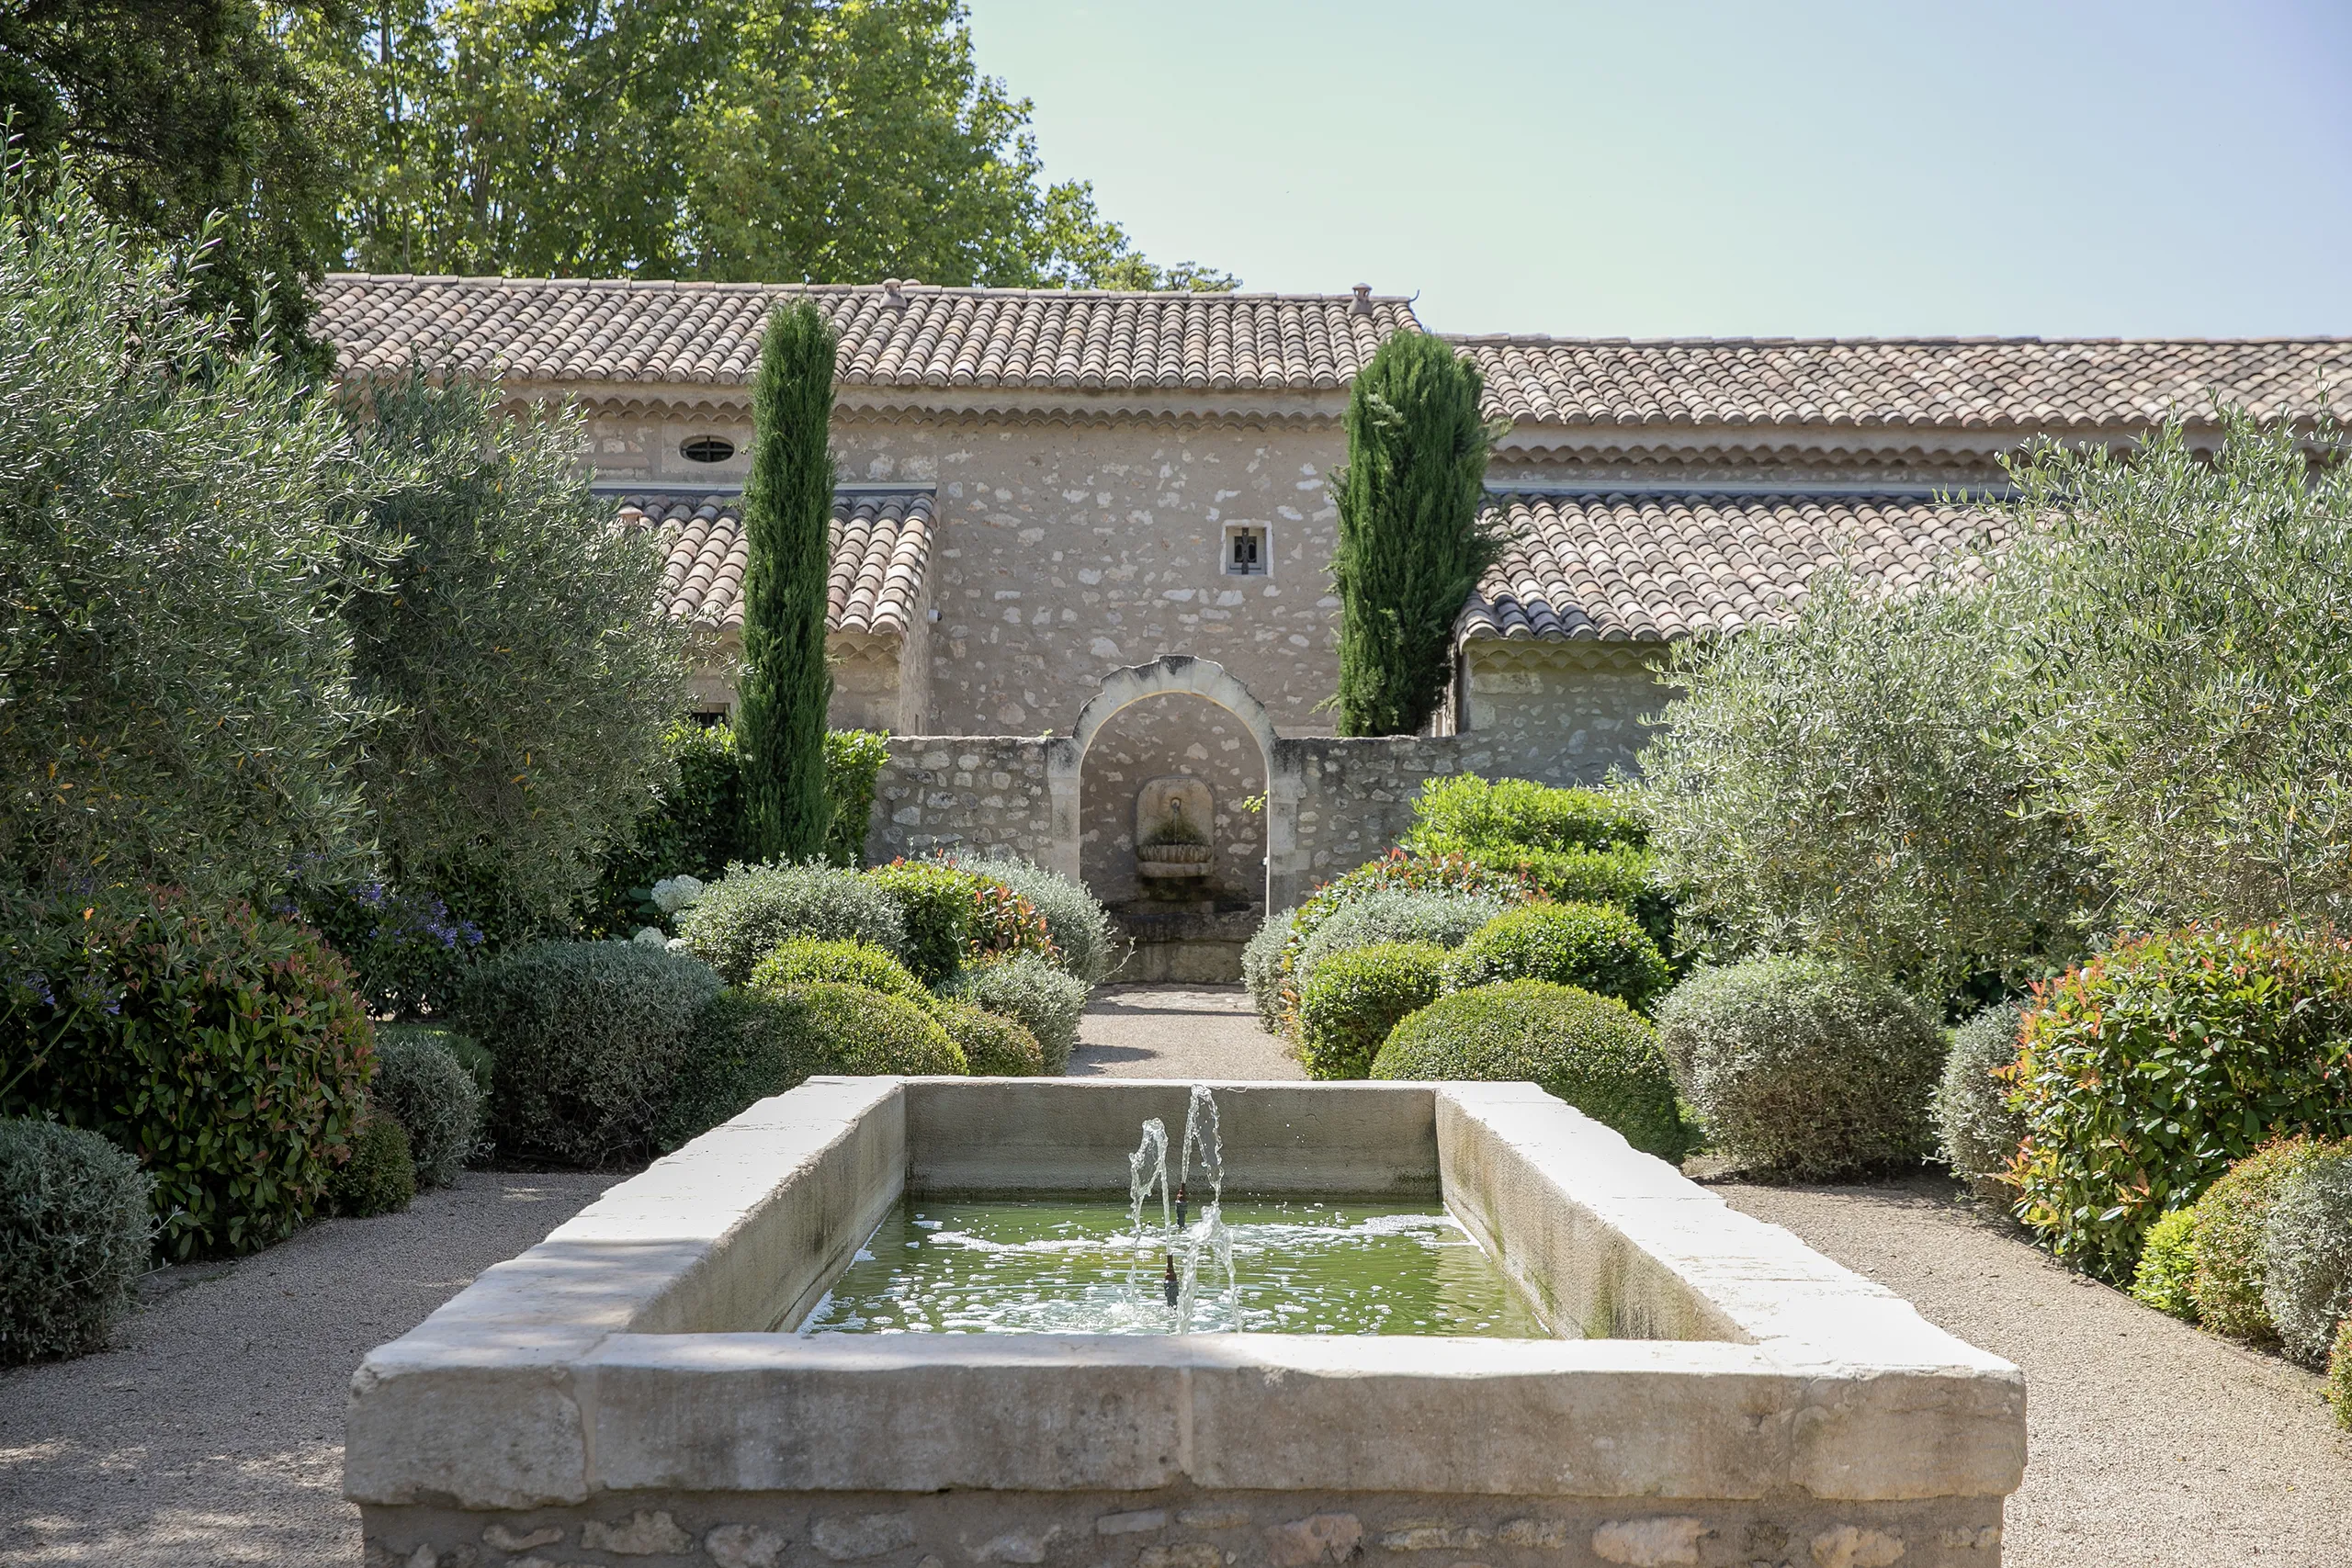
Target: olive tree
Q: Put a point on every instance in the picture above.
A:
(2184, 619)
(518, 668)
(175, 683)
(1849, 783)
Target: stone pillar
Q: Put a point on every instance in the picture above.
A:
(1063, 755)
(1287, 870)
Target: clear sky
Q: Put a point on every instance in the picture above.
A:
(1816, 167)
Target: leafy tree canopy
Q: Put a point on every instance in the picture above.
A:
(824, 140)
(177, 109)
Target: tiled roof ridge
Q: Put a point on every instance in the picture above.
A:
(1928, 339)
(691, 285)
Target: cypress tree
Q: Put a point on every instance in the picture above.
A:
(1410, 544)
(787, 517)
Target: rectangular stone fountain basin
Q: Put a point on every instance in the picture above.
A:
(616, 1394)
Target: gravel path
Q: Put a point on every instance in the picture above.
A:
(212, 1432)
(2150, 1445)
(1176, 1032)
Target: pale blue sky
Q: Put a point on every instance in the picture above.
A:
(1977, 166)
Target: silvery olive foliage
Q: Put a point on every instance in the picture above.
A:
(2307, 1256)
(174, 684)
(2183, 621)
(1850, 784)
(517, 664)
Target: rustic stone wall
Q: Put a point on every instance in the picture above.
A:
(978, 791)
(1171, 734)
(1563, 713)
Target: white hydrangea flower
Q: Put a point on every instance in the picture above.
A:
(651, 936)
(678, 944)
(673, 894)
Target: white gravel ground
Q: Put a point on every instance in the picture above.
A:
(212, 1431)
(1173, 1032)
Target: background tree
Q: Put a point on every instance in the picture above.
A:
(788, 518)
(2186, 620)
(516, 666)
(828, 142)
(177, 109)
(1410, 546)
(1850, 784)
(175, 683)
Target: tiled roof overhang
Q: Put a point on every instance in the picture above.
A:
(1624, 567)
(881, 548)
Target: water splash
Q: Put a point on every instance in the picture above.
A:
(1146, 1167)
(1201, 1132)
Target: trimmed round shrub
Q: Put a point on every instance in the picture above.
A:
(1395, 914)
(1085, 941)
(851, 1030)
(741, 1048)
(1356, 998)
(1976, 1129)
(2144, 1073)
(994, 1046)
(464, 1052)
(2307, 1256)
(76, 1225)
(2166, 1276)
(1480, 814)
(1593, 1052)
(741, 917)
(1803, 1068)
(1261, 969)
(584, 1037)
(842, 963)
(225, 1050)
(2231, 1218)
(1042, 998)
(380, 1175)
(420, 1084)
(2339, 1375)
(1590, 946)
(935, 902)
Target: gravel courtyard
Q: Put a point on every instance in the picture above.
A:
(212, 1432)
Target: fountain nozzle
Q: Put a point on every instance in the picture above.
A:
(1179, 1205)
(1167, 1280)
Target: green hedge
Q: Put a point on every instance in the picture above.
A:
(936, 905)
(76, 1223)
(742, 917)
(804, 962)
(1039, 996)
(860, 1032)
(1356, 996)
(2307, 1256)
(1593, 1052)
(1591, 946)
(225, 1050)
(2228, 1222)
(585, 1038)
(994, 1046)
(2147, 1071)
(1977, 1129)
(2166, 1276)
(1803, 1068)
(380, 1175)
(420, 1084)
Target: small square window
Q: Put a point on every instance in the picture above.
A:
(1245, 551)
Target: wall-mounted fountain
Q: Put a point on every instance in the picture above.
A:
(1656, 1379)
(1175, 821)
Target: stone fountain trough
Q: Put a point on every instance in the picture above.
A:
(616, 1396)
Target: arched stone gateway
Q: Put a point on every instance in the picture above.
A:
(1178, 674)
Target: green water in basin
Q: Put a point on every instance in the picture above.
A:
(1049, 1266)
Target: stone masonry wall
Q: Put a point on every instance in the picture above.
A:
(1563, 713)
(981, 792)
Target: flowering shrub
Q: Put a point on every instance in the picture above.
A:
(224, 1048)
(408, 953)
(2146, 1072)
(1005, 922)
(1085, 944)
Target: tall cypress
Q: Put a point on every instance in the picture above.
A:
(1410, 544)
(787, 515)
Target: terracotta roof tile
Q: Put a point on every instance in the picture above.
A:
(563, 330)
(1892, 383)
(881, 545)
(1628, 568)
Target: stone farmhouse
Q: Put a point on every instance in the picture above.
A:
(1079, 568)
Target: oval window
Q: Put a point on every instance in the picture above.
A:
(706, 450)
